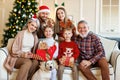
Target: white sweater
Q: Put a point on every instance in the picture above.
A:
(28, 41)
(50, 42)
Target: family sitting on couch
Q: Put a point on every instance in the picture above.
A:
(80, 51)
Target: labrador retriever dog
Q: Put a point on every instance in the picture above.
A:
(47, 71)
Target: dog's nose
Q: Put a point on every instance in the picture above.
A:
(50, 67)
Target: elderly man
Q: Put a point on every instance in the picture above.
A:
(92, 52)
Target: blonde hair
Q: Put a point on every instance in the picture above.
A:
(49, 27)
(67, 29)
(29, 21)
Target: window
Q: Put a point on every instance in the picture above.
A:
(110, 17)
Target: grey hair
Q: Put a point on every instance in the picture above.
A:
(82, 21)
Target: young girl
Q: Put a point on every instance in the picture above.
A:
(48, 32)
(68, 53)
(63, 22)
(24, 44)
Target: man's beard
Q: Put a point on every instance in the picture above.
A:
(43, 19)
(85, 35)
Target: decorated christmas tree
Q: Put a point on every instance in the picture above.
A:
(22, 11)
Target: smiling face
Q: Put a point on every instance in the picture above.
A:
(60, 14)
(67, 34)
(32, 26)
(48, 32)
(83, 29)
(44, 15)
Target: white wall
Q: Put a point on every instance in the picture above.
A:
(5, 8)
(78, 9)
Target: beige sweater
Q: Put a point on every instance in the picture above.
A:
(17, 49)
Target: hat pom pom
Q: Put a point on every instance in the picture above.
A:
(34, 17)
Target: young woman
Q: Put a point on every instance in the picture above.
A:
(23, 45)
(62, 22)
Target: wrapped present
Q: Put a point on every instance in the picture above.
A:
(46, 54)
(42, 53)
(67, 61)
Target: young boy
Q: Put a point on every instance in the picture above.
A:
(68, 53)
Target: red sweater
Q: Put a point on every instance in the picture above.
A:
(63, 47)
(43, 53)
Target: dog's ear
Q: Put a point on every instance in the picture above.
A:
(55, 64)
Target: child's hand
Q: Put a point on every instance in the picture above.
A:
(71, 62)
(62, 60)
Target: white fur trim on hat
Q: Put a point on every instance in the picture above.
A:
(45, 10)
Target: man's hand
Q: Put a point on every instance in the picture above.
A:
(85, 63)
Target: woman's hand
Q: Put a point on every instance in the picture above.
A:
(26, 55)
(15, 55)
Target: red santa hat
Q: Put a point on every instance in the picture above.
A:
(44, 8)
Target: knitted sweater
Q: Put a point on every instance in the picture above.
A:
(72, 46)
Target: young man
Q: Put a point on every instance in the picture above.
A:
(43, 15)
(68, 53)
(92, 52)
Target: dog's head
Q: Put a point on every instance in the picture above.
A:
(49, 65)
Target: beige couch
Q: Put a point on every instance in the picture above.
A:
(112, 54)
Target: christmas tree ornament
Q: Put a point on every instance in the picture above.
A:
(23, 6)
(15, 10)
(30, 16)
(19, 28)
(16, 27)
(19, 11)
(29, 3)
(24, 15)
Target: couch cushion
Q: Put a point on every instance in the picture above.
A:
(14, 74)
(108, 45)
(96, 70)
(3, 55)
